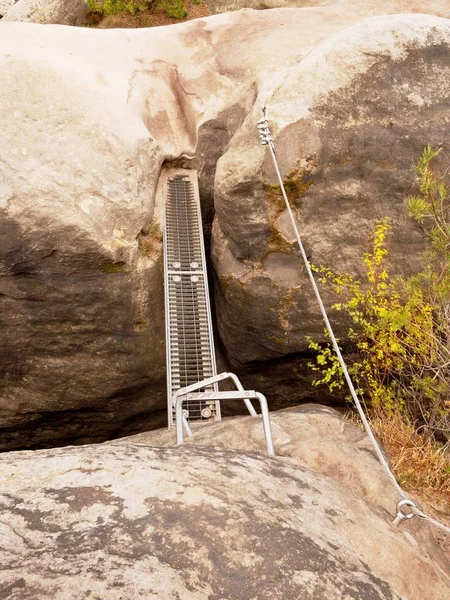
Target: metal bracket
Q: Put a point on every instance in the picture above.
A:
(264, 130)
(402, 516)
(182, 395)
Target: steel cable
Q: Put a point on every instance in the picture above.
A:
(266, 139)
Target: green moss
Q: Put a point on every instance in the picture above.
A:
(279, 341)
(288, 301)
(287, 305)
(225, 280)
(278, 243)
(113, 267)
(296, 183)
(150, 241)
(274, 197)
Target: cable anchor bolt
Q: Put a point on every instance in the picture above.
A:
(401, 515)
(265, 136)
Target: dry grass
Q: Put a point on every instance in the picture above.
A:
(421, 466)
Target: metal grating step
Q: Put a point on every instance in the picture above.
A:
(189, 341)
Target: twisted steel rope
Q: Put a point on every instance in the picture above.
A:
(266, 140)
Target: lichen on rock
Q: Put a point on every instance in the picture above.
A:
(125, 520)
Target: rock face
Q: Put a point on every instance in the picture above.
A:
(88, 119)
(5, 5)
(78, 174)
(81, 290)
(347, 145)
(125, 520)
(64, 12)
(317, 438)
(363, 8)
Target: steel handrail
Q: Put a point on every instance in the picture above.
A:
(180, 396)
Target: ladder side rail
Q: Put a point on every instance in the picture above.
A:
(167, 313)
(206, 288)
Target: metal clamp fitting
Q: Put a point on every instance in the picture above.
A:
(264, 130)
(264, 133)
(402, 516)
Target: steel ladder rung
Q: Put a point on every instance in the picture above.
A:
(191, 363)
(194, 326)
(186, 358)
(181, 334)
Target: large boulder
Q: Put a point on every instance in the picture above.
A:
(363, 8)
(348, 122)
(125, 520)
(77, 283)
(316, 438)
(64, 12)
(88, 119)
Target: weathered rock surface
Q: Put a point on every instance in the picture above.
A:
(78, 173)
(5, 5)
(348, 120)
(317, 438)
(124, 520)
(63, 12)
(363, 8)
(81, 289)
(89, 117)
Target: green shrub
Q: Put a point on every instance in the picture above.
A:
(113, 7)
(401, 330)
(106, 8)
(173, 8)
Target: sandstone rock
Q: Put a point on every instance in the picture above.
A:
(317, 438)
(78, 174)
(81, 290)
(349, 120)
(5, 5)
(89, 117)
(81, 287)
(64, 12)
(364, 8)
(122, 521)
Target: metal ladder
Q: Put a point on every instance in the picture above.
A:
(189, 340)
(192, 379)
